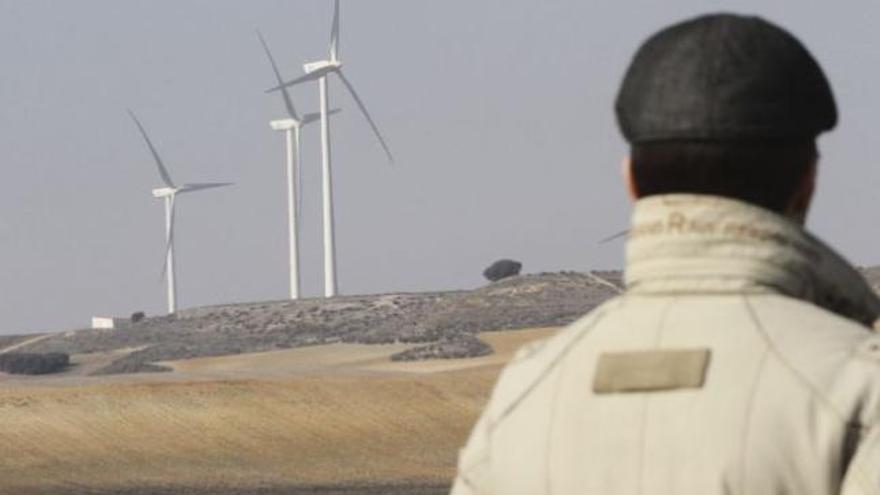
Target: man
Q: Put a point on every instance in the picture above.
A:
(740, 359)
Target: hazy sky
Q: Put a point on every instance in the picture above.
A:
(499, 113)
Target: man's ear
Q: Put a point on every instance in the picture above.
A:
(628, 180)
(799, 204)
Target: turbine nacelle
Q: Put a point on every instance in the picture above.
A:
(289, 124)
(284, 124)
(322, 66)
(163, 192)
(314, 71)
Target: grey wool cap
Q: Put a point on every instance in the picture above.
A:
(724, 77)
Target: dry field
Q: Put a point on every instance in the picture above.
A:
(334, 415)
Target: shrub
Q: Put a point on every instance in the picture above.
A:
(502, 269)
(19, 363)
(464, 346)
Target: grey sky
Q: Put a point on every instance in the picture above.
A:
(498, 111)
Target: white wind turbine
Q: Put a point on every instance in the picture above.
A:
(319, 71)
(291, 126)
(169, 194)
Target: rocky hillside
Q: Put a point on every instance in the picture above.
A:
(444, 323)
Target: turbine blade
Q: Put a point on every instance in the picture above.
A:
(299, 80)
(614, 237)
(334, 33)
(166, 177)
(370, 120)
(169, 236)
(315, 116)
(198, 186)
(288, 102)
(311, 117)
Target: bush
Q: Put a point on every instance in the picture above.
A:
(138, 316)
(464, 346)
(19, 363)
(502, 269)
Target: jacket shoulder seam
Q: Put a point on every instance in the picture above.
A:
(791, 368)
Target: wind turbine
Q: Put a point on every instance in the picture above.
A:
(169, 194)
(319, 71)
(291, 126)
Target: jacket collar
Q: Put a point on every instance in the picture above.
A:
(682, 243)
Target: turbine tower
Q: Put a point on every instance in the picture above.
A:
(291, 126)
(169, 194)
(319, 71)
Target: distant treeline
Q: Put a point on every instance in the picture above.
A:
(20, 363)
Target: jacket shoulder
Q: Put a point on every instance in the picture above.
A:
(799, 330)
(535, 362)
(838, 358)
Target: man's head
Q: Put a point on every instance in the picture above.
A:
(725, 105)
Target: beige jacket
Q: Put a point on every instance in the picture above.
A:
(738, 361)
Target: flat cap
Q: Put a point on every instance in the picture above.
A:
(724, 77)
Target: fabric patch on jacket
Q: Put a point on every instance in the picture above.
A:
(651, 371)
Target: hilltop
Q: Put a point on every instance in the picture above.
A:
(437, 324)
